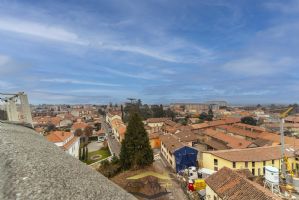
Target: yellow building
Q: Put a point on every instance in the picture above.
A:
(254, 159)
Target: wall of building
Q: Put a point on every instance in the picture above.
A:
(158, 124)
(211, 195)
(168, 156)
(155, 143)
(257, 169)
(74, 149)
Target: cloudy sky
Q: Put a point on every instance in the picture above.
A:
(242, 51)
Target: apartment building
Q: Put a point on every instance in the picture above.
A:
(253, 159)
(66, 141)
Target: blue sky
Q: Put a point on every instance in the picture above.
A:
(160, 51)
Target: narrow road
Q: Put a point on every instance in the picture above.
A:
(113, 143)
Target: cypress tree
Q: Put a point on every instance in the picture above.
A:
(86, 154)
(83, 154)
(135, 149)
(80, 152)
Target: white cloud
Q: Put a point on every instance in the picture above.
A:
(109, 40)
(80, 82)
(39, 30)
(4, 60)
(284, 6)
(140, 50)
(10, 66)
(256, 65)
(143, 75)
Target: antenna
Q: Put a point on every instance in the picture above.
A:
(131, 100)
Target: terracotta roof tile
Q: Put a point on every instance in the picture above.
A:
(252, 154)
(70, 143)
(231, 141)
(171, 143)
(156, 120)
(58, 136)
(229, 184)
(215, 123)
(186, 136)
(79, 125)
(238, 131)
(216, 144)
(246, 126)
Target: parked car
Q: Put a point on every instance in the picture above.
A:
(101, 138)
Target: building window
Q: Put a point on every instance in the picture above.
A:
(215, 162)
(259, 172)
(246, 164)
(264, 163)
(253, 164)
(264, 170)
(215, 168)
(273, 162)
(234, 164)
(253, 172)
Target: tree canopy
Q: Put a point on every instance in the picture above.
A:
(136, 151)
(249, 120)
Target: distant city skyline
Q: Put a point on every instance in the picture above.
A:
(96, 52)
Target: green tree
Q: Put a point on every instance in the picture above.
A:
(157, 111)
(86, 153)
(169, 113)
(136, 151)
(3, 115)
(210, 114)
(88, 131)
(122, 112)
(50, 127)
(203, 116)
(249, 120)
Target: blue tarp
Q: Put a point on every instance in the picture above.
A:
(185, 157)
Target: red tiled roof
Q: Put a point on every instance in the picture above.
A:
(186, 136)
(170, 123)
(275, 138)
(171, 143)
(79, 125)
(238, 131)
(247, 126)
(293, 119)
(231, 141)
(70, 143)
(156, 120)
(58, 136)
(251, 154)
(229, 184)
(215, 123)
(216, 144)
(154, 135)
(122, 129)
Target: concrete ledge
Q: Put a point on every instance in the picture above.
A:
(33, 168)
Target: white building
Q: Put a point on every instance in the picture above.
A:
(66, 140)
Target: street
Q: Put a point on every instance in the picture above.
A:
(114, 145)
